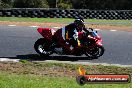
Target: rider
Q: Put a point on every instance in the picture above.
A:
(70, 32)
(68, 35)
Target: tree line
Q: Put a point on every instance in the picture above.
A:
(69, 4)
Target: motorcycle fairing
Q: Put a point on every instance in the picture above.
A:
(45, 32)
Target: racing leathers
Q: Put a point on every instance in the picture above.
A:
(70, 34)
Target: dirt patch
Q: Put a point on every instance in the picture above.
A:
(96, 26)
(58, 69)
(111, 27)
(37, 69)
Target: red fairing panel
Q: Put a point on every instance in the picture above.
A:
(80, 35)
(45, 32)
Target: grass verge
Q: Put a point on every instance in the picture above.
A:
(68, 20)
(27, 74)
(28, 81)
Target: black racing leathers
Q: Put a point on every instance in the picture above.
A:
(71, 27)
(71, 31)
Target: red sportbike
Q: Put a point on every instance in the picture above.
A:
(53, 42)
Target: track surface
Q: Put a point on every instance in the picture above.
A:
(16, 42)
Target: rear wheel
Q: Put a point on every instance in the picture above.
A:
(42, 47)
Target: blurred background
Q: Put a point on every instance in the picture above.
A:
(69, 4)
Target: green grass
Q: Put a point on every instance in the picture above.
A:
(17, 19)
(29, 81)
(25, 74)
(68, 20)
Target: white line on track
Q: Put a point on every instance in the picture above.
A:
(56, 27)
(54, 61)
(59, 27)
(33, 26)
(97, 29)
(12, 25)
(113, 30)
(7, 59)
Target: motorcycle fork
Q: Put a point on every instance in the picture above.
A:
(89, 48)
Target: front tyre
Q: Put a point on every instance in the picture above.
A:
(42, 47)
(99, 52)
(95, 52)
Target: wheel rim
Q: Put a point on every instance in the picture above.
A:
(41, 49)
(96, 53)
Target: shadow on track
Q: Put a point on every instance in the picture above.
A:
(36, 57)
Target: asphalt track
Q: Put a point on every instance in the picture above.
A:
(16, 42)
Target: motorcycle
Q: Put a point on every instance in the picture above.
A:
(52, 42)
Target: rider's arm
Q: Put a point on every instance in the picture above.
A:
(86, 30)
(70, 29)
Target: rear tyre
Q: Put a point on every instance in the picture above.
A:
(42, 47)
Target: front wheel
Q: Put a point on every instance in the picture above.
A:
(95, 52)
(42, 47)
(100, 51)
